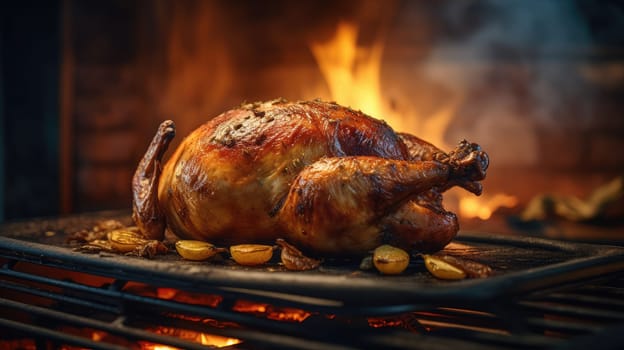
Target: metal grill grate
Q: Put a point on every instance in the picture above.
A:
(46, 309)
(51, 297)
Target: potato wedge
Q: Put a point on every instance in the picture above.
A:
(251, 254)
(442, 269)
(390, 260)
(472, 269)
(197, 250)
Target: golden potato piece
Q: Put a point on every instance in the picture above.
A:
(197, 250)
(251, 254)
(442, 269)
(390, 260)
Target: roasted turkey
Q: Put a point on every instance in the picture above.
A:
(326, 178)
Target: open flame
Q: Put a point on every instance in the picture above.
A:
(353, 75)
(483, 207)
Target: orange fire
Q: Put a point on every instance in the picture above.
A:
(271, 312)
(259, 309)
(483, 207)
(202, 338)
(353, 75)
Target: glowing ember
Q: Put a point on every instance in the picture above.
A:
(148, 346)
(166, 293)
(211, 300)
(288, 314)
(385, 322)
(197, 337)
(249, 307)
(272, 312)
(218, 341)
(98, 336)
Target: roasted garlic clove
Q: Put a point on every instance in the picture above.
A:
(472, 269)
(442, 269)
(151, 249)
(293, 258)
(125, 241)
(197, 250)
(390, 260)
(95, 246)
(251, 254)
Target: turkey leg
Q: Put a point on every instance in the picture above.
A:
(146, 211)
(466, 157)
(339, 201)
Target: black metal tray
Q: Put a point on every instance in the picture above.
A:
(521, 265)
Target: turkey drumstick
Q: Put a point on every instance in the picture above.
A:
(337, 203)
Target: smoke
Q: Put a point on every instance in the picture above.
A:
(516, 64)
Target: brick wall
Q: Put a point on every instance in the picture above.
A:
(108, 115)
(128, 79)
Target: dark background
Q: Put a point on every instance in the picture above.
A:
(29, 108)
(118, 52)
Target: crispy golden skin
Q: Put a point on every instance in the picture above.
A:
(330, 180)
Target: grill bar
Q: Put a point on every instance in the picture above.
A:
(112, 327)
(58, 297)
(467, 325)
(568, 310)
(591, 300)
(60, 337)
(271, 332)
(585, 263)
(498, 341)
(118, 327)
(562, 327)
